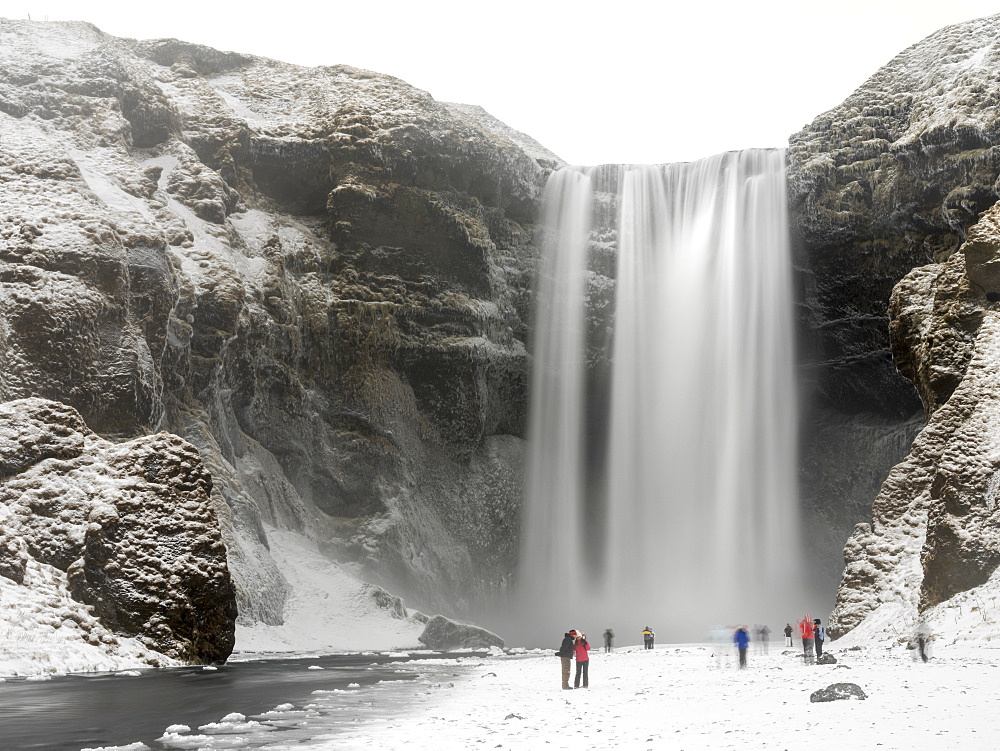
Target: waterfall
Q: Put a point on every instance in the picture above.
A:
(698, 503)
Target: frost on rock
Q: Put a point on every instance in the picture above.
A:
(317, 276)
(935, 530)
(126, 529)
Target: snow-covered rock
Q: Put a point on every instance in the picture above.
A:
(933, 543)
(126, 529)
(890, 180)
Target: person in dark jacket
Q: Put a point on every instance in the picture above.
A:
(647, 637)
(582, 648)
(819, 637)
(609, 639)
(788, 634)
(742, 640)
(565, 654)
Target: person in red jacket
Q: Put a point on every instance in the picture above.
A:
(806, 632)
(582, 648)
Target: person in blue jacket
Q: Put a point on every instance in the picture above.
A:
(742, 640)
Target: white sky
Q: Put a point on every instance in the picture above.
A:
(619, 81)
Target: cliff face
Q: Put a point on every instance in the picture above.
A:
(935, 529)
(888, 181)
(318, 277)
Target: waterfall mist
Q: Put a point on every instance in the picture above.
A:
(687, 515)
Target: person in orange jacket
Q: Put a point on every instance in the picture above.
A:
(807, 634)
(582, 648)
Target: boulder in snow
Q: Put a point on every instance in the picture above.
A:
(836, 691)
(444, 633)
(826, 659)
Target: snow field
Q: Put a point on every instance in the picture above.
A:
(682, 697)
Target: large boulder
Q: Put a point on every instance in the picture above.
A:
(131, 524)
(444, 633)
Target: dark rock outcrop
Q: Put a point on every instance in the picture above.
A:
(444, 633)
(131, 524)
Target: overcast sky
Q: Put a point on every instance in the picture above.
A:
(622, 81)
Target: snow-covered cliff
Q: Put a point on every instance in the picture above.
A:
(318, 277)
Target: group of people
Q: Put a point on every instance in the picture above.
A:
(813, 635)
(575, 646)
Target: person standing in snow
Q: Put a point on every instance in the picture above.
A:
(582, 648)
(806, 632)
(742, 640)
(763, 635)
(647, 637)
(565, 654)
(788, 634)
(820, 637)
(923, 636)
(609, 639)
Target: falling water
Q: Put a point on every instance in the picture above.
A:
(699, 506)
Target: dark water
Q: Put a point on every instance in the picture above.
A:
(80, 711)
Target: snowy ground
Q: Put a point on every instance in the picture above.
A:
(679, 697)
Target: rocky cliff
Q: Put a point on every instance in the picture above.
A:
(318, 277)
(935, 528)
(890, 180)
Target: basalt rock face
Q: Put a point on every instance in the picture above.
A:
(935, 529)
(131, 524)
(888, 181)
(318, 277)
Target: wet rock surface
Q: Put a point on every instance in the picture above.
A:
(131, 524)
(318, 277)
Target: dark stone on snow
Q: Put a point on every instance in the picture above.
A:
(836, 691)
(826, 659)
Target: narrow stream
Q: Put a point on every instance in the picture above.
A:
(283, 702)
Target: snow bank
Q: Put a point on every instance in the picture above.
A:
(329, 609)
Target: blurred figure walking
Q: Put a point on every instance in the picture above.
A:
(609, 639)
(721, 639)
(788, 634)
(819, 636)
(582, 648)
(742, 640)
(647, 637)
(763, 637)
(806, 632)
(565, 654)
(923, 637)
